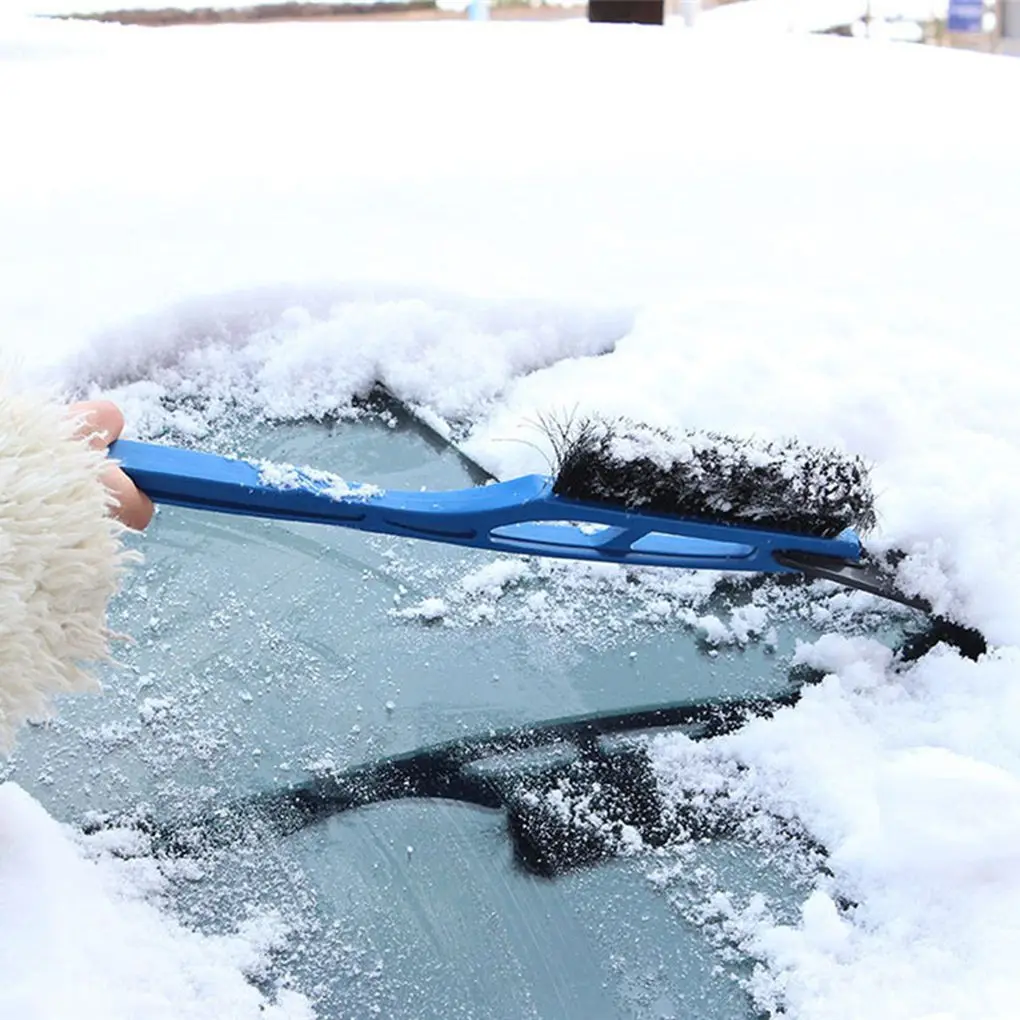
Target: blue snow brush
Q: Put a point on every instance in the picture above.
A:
(623, 494)
(524, 515)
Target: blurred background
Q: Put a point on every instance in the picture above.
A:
(986, 25)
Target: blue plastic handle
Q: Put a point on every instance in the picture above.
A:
(519, 516)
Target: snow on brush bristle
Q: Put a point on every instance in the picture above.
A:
(783, 485)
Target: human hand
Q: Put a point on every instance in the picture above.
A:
(101, 423)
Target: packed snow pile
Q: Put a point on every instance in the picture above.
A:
(810, 238)
(82, 936)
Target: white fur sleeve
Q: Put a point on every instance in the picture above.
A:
(60, 560)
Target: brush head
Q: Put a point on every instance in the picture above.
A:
(784, 486)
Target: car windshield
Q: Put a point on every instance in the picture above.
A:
(266, 657)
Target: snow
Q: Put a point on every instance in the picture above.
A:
(919, 804)
(809, 237)
(79, 938)
(430, 610)
(275, 475)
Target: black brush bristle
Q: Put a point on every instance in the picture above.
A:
(785, 485)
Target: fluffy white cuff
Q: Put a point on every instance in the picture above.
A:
(60, 560)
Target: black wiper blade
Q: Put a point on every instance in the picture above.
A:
(447, 771)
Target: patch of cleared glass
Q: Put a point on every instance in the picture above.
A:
(263, 655)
